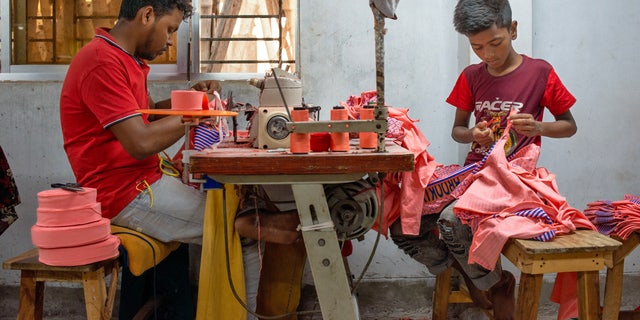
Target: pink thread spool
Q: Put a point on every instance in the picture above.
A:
(368, 140)
(189, 100)
(300, 142)
(339, 140)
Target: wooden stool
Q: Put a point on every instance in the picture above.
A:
(34, 274)
(615, 273)
(584, 251)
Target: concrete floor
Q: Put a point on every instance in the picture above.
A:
(377, 300)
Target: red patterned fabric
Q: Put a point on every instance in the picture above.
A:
(9, 197)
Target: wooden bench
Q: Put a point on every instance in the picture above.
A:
(584, 251)
(33, 274)
(615, 273)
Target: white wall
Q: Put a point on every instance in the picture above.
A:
(592, 44)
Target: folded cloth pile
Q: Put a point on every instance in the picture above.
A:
(70, 229)
(620, 218)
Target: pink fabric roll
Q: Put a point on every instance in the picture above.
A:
(81, 255)
(67, 217)
(189, 100)
(70, 236)
(64, 199)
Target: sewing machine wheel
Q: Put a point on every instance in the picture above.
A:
(353, 208)
(277, 127)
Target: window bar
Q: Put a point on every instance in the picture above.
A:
(280, 13)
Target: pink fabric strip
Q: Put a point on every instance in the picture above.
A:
(71, 216)
(70, 236)
(77, 256)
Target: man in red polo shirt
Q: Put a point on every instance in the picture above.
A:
(114, 148)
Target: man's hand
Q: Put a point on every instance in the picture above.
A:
(208, 86)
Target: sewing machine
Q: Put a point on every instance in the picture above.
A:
(321, 224)
(326, 185)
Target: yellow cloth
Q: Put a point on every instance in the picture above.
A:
(215, 298)
(139, 249)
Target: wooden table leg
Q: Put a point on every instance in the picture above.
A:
(31, 296)
(589, 295)
(111, 294)
(95, 293)
(613, 291)
(441, 295)
(528, 296)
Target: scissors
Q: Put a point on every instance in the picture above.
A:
(69, 186)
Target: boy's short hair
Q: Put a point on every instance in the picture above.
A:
(473, 16)
(129, 8)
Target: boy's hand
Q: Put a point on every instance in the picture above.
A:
(482, 134)
(525, 124)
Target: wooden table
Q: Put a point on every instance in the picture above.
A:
(306, 173)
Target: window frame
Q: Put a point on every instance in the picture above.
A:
(186, 68)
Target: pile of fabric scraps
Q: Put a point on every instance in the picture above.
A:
(620, 218)
(403, 191)
(513, 198)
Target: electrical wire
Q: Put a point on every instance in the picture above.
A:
(230, 279)
(378, 236)
(153, 252)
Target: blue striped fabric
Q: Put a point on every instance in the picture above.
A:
(540, 214)
(633, 198)
(205, 136)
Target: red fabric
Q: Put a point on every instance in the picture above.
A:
(565, 293)
(104, 85)
(403, 191)
(530, 88)
(500, 189)
(439, 192)
(347, 248)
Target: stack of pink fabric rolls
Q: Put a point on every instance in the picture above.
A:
(70, 229)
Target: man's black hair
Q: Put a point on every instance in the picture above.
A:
(129, 8)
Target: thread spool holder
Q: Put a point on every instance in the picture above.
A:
(379, 126)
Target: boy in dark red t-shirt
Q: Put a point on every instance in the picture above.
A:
(502, 81)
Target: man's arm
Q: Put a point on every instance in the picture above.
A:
(142, 140)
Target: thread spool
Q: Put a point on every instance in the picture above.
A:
(299, 142)
(339, 140)
(319, 141)
(368, 140)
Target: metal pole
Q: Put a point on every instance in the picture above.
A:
(381, 112)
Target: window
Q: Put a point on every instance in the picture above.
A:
(237, 38)
(246, 36)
